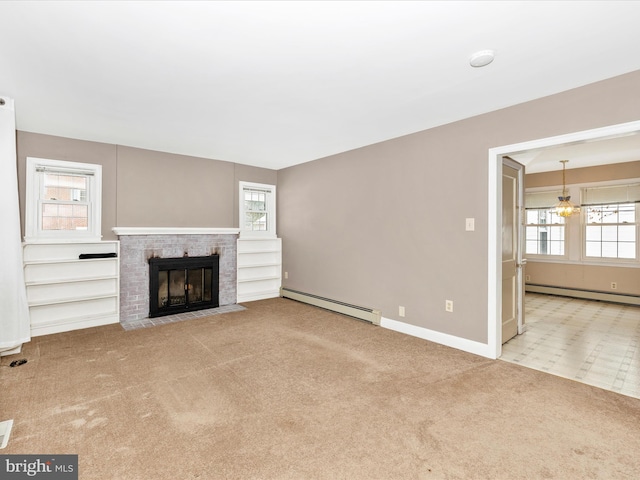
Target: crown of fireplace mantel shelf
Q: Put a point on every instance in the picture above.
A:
(121, 231)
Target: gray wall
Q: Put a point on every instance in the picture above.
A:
(144, 188)
(383, 225)
(585, 277)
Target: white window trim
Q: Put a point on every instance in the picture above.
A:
(271, 210)
(546, 257)
(33, 227)
(616, 262)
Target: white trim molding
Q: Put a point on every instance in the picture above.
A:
(452, 341)
(120, 231)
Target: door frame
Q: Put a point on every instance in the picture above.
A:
(494, 230)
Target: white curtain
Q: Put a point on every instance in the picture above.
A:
(14, 313)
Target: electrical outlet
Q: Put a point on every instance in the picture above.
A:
(527, 278)
(401, 311)
(448, 305)
(614, 285)
(286, 275)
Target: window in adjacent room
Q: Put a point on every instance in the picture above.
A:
(257, 210)
(544, 230)
(610, 231)
(611, 221)
(63, 200)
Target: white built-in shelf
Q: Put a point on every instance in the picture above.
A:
(249, 252)
(259, 268)
(75, 280)
(258, 265)
(65, 292)
(51, 261)
(78, 298)
(256, 279)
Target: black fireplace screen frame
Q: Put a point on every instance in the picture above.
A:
(185, 264)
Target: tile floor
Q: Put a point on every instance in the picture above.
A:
(150, 322)
(592, 342)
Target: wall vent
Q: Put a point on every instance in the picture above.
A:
(363, 313)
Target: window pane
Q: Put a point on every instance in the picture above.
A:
(65, 187)
(627, 213)
(627, 250)
(626, 233)
(610, 213)
(556, 233)
(593, 249)
(594, 233)
(255, 201)
(556, 248)
(555, 218)
(531, 247)
(609, 249)
(64, 216)
(531, 233)
(609, 233)
(594, 214)
(532, 216)
(256, 221)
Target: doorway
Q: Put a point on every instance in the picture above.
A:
(494, 314)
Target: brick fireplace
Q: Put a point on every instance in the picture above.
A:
(138, 245)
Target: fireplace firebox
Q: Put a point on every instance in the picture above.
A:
(185, 284)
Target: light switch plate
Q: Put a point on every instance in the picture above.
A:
(470, 224)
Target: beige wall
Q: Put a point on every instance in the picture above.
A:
(384, 225)
(579, 276)
(585, 277)
(60, 148)
(144, 188)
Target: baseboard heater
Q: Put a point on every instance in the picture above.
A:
(356, 311)
(586, 294)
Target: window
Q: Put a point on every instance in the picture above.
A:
(63, 200)
(257, 210)
(611, 221)
(610, 231)
(544, 230)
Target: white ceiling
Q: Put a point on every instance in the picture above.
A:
(584, 154)
(274, 84)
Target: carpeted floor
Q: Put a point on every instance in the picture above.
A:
(283, 390)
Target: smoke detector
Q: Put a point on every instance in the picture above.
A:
(481, 58)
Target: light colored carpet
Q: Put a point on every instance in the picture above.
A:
(283, 390)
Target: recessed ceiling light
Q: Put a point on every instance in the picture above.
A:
(481, 58)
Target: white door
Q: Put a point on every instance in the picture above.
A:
(512, 261)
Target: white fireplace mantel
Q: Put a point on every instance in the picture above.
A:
(120, 231)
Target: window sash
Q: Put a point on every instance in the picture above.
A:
(63, 200)
(257, 209)
(610, 231)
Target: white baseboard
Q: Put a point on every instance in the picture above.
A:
(251, 297)
(459, 343)
(68, 325)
